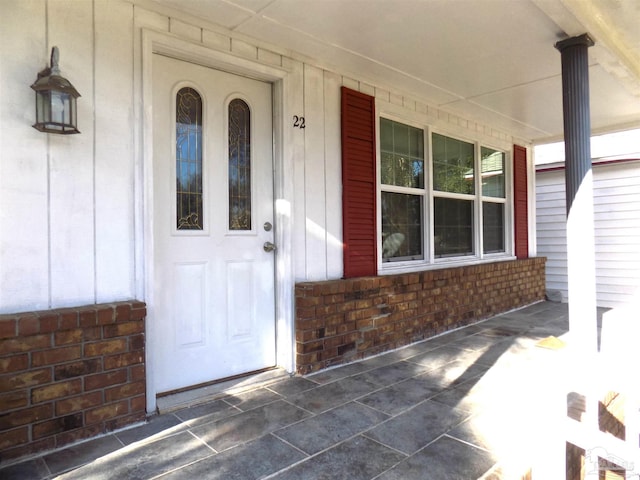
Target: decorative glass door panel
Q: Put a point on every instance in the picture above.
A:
(189, 159)
(239, 165)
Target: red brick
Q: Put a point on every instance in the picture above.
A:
(67, 337)
(124, 391)
(79, 403)
(310, 324)
(123, 360)
(310, 347)
(68, 319)
(307, 302)
(25, 344)
(105, 347)
(57, 425)
(26, 379)
(14, 437)
(138, 404)
(138, 312)
(106, 412)
(329, 354)
(8, 327)
(136, 342)
(91, 334)
(28, 324)
(334, 319)
(77, 369)
(56, 390)
(306, 312)
(306, 358)
(87, 317)
(306, 335)
(364, 323)
(101, 380)
(48, 322)
(56, 355)
(14, 363)
(123, 313)
(25, 416)
(345, 307)
(123, 329)
(13, 400)
(361, 304)
(106, 316)
(333, 341)
(137, 372)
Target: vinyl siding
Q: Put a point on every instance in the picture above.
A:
(616, 199)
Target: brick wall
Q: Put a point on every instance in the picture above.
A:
(339, 321)
(69, 374)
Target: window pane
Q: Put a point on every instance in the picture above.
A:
(402, 154)
(453, 166)
(189, 159)
(492, 173)
(401, 227)
(239, 165)
(453, 227)
(493, 227)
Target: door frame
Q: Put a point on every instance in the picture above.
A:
(154, 42)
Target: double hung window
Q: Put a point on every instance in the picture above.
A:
(403, 192)
(440, 197)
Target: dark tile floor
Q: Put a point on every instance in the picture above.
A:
(465, 405)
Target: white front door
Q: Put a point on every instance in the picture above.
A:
(213, 281)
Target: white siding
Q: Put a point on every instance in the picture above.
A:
(71, 217)
(617, 231)
(67, 201)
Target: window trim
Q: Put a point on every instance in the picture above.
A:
(430, 261)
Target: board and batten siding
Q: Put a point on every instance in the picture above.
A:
(73, 207)
(67, 215)
(616, 194)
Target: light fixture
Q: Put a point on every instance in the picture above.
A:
(56, 110)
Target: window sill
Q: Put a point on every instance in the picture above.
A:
(393, 268)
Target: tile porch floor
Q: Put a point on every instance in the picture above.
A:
(465, 405)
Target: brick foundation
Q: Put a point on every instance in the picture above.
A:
(339, 321)
(69, 374)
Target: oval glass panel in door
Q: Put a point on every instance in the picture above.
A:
(188, 159)
(239, 165)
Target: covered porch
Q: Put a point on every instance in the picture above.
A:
(495, 400)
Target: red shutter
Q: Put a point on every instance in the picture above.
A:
(521, 211)
(359, 184)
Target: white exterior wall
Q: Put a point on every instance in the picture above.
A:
(616, 191)
(66, 202)
(71, 207)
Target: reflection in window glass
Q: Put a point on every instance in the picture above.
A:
(492, 173)
(453, 227)
(453, 165)
(401, 227)
(402, 154)
(189, 159)
(493, 227)
(239, 165)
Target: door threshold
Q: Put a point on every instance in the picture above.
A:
(232, 386)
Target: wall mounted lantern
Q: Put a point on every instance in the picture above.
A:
(56, 110)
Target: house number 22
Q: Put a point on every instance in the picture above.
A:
(298, 122)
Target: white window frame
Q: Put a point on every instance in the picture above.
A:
(430, 261)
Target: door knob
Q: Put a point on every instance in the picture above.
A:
(269, 247)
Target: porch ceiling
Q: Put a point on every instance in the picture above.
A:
(493, 61)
